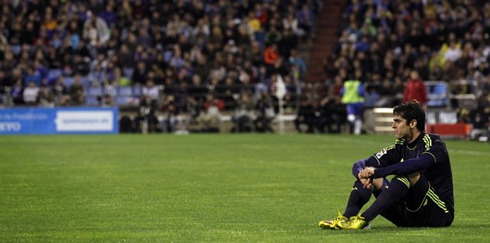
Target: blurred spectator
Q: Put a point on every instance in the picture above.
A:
(271, 54)
(33, 77)
(146, 120)
(438, 39)
(95, 30)
(46, 97)
(61, 93)
(140, 74)
(18, 93)
(170, 112)
(31, 93)
(151, 91)
(415, 90)
(193, 110)
(197, 90)
(306, 116)
(107, 100)
(296, 60)
(107, 44)
(265, 114)
(76, 91)
(210, 119)
(332, 115)
(244, 113)
(305, 18)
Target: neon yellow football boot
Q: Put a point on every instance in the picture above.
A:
(334, 223)
(354, 223)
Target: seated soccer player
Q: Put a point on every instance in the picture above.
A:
(420, 194)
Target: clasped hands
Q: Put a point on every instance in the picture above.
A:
(366, 176)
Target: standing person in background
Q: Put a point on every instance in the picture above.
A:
(353, 96)
(415, 90)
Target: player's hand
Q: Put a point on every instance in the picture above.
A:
(366, 176)
(366, 173)
(366, 183)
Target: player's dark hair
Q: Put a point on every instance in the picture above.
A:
(409, 111)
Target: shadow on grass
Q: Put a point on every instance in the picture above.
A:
(388, 228)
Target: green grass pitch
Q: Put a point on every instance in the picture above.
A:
(210, 188)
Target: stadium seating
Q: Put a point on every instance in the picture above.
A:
(437, 93)
(68, 81)
(172, 50)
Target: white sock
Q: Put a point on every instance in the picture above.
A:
(357, 127)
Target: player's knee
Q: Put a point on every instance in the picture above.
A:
(414, 178)
(378, 183)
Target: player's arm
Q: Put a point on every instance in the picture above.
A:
(409, 166)
(363, 163)
(435, 151)
(381, 159)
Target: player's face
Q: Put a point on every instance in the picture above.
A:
(400, 128)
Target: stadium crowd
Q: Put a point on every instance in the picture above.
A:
(202, 57)
(382, 42)
(122, 52)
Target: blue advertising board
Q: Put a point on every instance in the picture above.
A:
(58, 120)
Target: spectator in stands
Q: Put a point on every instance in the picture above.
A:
(46, 98)
(227, 91)
(31, 93)
(398, 89)
(108, 15)
(17, 92)
(95, 30)
(415, 90)
(305, 115)
(140, 74)
(107, 100)
(257, 54)
(197, 90)
(453, 53)
(81, 67)
(151, 90)
(265, 113)
(193, 110)
(5, 81)
(112, 35)
(146, 120)
(305, 18)
(296, 60)
(290, 23)
(32, 76)
(76, 91)
(273, 36)
(271, 54)
(61, 93)
(244, 113)
(332, 115)
(119, 79)
(210, 119)
(170, 112)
